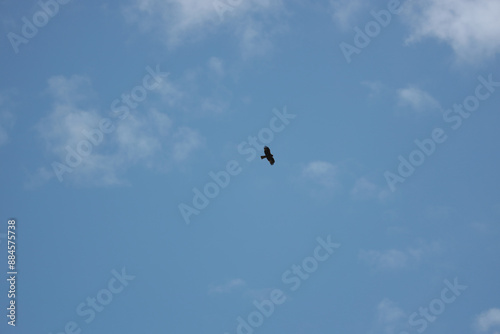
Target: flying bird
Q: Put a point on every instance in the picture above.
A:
(268, 155)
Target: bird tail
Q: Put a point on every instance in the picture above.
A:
(262, 156)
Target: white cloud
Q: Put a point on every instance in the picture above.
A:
(390, 318)
(344, 12)
(363, 189)
(140, 135)
(410, 97)
(321, 172)
(227, 287)
(376, 88)
(254, 22)
(240, 286)
(470, 27)
(488, 320)
(254, 39)
(388, 259)
(417, 99)
(146, 137)
(175, 18)
(397, 259)
(203, 89)
(424, 249)
(170, 93)
(64, 125)
(186, 141)
(73, 91)
(324, 179)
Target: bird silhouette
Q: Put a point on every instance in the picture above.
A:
(268, 155)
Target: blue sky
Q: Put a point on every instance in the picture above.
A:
(130, 137)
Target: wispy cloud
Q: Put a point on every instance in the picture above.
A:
(190, 93)
(470, 27)
(324, 179)
(488, 320)
(390, 318)
(254, 23)
(145, 138)
(186, 140)
(364, 189)
(176, 19)
(344, 12)
(396, 259)
(417, 99)
(410, 97)
(227, 287)
(376, 88)
(387, 259)
(321, 172)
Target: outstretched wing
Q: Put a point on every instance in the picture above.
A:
(271, 159)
